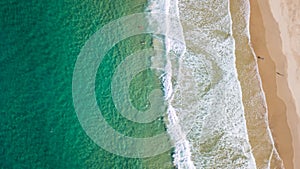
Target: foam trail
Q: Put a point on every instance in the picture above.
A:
(182, 154)
(236, 74)
(211, 103)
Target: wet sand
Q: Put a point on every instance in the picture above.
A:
(277, 47)
(255, 108)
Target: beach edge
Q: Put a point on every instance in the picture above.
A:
(267, 41)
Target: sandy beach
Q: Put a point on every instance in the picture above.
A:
(275, 38)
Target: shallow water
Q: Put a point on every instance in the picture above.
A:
(214, 121)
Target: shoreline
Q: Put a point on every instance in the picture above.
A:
(268, 42)
(262, 144)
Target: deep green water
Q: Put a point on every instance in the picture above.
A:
(39, 45)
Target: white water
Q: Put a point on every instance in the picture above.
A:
(182, 154)
(205, 113)
(216, 122)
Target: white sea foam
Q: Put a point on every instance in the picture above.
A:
(209, 96)
(205, 114)
(182, 154)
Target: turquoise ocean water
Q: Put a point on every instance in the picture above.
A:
(39, 45)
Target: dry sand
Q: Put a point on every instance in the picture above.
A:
(275, 36)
